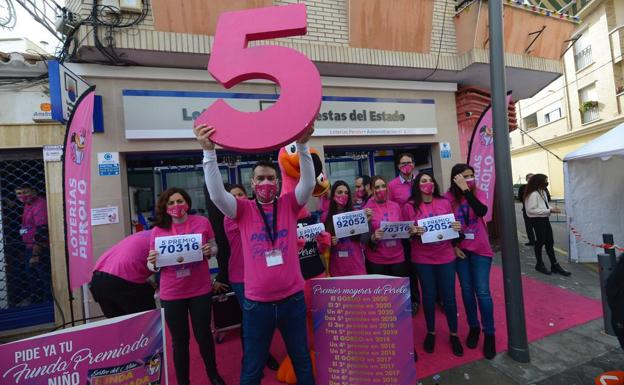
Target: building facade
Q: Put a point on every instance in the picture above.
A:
(579, 106)
(389, 85)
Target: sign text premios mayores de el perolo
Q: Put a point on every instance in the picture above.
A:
(353, 116)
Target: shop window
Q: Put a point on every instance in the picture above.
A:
(25, 279)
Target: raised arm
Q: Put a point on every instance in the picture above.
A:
(221, 198)
(303, 190)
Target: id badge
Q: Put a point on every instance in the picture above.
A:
(469, 236)
(181, 273)
(343, 254)
(23, 231)
(274, 258)
(391, 243)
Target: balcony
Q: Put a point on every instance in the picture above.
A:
(529, 31)
(589, 114)
(583, 58)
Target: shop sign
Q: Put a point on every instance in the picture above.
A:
(108, 163)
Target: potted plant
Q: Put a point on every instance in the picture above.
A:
(588, 105)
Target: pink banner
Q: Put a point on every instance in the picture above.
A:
(132, 352)
(481, 157)
(77, 187)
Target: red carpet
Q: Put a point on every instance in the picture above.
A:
(549, 309)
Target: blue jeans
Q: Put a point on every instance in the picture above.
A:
(434, 278)
(37, 280)
(239, 291)
(474, 278)
(260, 319)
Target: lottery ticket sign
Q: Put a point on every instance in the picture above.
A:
(351, 223)
(395, 230)
(438, 228)
(178, 249)
(309, 233)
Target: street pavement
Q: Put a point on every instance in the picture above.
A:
(573, 357)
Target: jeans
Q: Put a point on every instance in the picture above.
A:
(474, 278)
(528, 227)
(37, 277)
(177, 314)
(260, 319)
(434, 278)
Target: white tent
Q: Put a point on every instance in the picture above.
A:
(594, 193)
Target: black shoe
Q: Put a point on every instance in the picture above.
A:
(272, 363)
(556, 268)
(542, 269)
(216, 380)
(530, 244)
(458, 350)
(489, 347)
(415, 306)
(429, 344)
(473, 337)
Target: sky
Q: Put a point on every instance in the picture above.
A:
(27, 27)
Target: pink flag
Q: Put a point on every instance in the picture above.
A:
(481, 157)
(77, 187)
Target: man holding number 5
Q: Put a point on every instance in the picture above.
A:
(435, 262)
(185, 288)
(273, 282)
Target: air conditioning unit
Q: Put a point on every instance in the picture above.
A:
(131, 5)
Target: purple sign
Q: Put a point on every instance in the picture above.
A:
(363, 330)
(126, 350)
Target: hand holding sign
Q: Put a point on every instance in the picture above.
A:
(232, 62)
(439, 228)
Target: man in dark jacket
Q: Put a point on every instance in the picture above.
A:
(615, 299)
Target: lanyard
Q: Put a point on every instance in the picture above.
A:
(271, 232)
(465, 213)
(544, 199)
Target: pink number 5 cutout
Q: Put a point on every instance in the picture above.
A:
(232, 62)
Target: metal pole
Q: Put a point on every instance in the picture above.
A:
(514, 302)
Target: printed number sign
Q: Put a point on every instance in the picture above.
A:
(438, 228)
(351, 223)
(232, 62)
(395, 230)
(178, 249)
(309, 233)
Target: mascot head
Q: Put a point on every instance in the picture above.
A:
(288, 160)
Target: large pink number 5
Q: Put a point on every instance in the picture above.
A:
(232, 62)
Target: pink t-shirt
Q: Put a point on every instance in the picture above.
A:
(35, 215)
(477, 239)
(235, 263)
(435, 253)
(190, 279)
(127, 259)
(264, 283)
(399, 192)
(388, 251)
(324, 207)
(346, 258)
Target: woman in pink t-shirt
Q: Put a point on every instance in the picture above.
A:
(434, 261)
(346, 255)
(383, 256)
(474, 257)
(186, 288)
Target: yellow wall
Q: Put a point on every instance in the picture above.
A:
(540, 161)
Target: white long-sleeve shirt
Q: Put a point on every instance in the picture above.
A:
(227, 203)
(536, 205)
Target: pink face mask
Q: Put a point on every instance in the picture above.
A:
(177, 211)
(266, 192)
(360, 193)
(380, 195)
(407, 169)
(341, 200)
(471, 183)
(427, 188)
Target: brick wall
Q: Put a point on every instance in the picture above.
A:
(327, 20)
(448, 38)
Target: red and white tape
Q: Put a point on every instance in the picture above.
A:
(608, 246)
